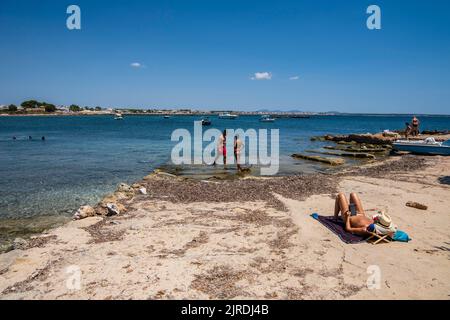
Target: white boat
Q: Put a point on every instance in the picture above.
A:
(118, 116)
(427, 146)
(267, 118)
(166, 117)
(227, 116)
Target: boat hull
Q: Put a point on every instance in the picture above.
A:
(423, 149)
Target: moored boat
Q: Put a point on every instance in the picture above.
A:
(118, 116)
(267, 118)
(427, 147)
(227, 116)
(206, 122)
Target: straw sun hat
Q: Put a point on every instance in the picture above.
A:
(383, 223)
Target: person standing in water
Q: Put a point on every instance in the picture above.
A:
(415, 126)
(222, 148)
(237, 151)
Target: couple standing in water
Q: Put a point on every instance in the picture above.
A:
(222, 149)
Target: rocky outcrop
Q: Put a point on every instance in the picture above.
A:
(327, 160)
(376, 139)
(84, 212)
(361, 155)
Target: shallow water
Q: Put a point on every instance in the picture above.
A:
(84, 157)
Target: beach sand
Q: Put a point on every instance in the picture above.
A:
(255, 240)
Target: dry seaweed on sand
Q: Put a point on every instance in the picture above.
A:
(100, 232)
(245, 190)
(220, 282)
(405, 163)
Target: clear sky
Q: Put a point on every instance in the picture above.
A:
(214, 54)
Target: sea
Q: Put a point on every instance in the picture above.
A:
(83, 158)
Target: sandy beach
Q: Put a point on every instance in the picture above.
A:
(246, 239)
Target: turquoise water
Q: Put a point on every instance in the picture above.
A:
(84, 157)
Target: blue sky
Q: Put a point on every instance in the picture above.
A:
(319, 55)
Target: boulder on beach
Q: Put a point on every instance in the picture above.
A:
(84, 212)
(125, 188)
(113, 209)
(20, 244)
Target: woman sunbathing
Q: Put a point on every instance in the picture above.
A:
(358, 222)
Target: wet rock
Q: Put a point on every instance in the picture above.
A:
(330, 161)
(6, 247)
(20, 244)
(345, 154)
(125, 188)
(84, 212)
(163, 173)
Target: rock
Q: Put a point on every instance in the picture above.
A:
(124, 188)
(20, 244)
(416, 205)
(346, 154)
(6, 247)
(330, 161)
(163, 173)
(143, 190)
(113, 209)
(84, 212)
(317, 138)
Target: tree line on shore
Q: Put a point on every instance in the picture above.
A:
(35, 106)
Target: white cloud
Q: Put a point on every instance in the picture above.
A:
(262, 76)
(294, 78)
(136, 65)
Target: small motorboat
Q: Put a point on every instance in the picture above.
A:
(429, 146)
(227, 116)
(267, 118)
(118, 116)
(206, 122)
(166, 117)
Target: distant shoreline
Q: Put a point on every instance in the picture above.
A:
(214, 113)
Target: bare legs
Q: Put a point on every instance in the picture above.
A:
(341, 205)
(355, 199)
